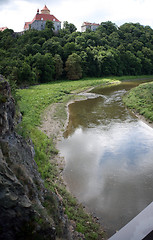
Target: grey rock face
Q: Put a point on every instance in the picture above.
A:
(22, 192)
(7, 107)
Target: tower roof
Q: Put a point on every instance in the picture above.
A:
(45, 10)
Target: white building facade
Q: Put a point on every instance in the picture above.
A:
(87, 25)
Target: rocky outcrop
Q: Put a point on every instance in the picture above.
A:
(7, 108)
(23, 197)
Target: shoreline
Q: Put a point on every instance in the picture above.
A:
(54, 127)
(142, 118)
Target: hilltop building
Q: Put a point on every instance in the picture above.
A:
(87, 25)
(40, 19)
(3, 28)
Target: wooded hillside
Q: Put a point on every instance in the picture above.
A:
(41, 56)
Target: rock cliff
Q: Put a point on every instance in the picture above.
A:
(27, 209)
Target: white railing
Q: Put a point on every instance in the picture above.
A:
(140, 227)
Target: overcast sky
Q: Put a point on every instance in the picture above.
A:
(13, 13)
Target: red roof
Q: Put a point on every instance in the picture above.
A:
(2, 29)
(41, 17)
(89, 24)
(45, 17)
(45, 8)
(26, 25)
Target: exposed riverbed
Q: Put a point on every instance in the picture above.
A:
(109, 157)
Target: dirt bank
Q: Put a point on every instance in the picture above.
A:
(54, 122)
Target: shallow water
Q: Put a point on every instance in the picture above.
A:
(109, 157)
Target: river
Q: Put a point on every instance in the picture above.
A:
(109, 157)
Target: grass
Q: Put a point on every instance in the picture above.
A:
(35, 99)
(33, 102)
(140, 99)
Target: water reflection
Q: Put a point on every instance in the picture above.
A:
(109, 158)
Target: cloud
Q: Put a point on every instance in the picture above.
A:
(4, 2)
(14, 13)
(118, 11)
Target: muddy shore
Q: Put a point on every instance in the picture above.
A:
(54, 124)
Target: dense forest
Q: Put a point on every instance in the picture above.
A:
(43, 56)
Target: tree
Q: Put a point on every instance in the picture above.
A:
(49, 29)
(36, 56)
(107, 27)
(84, 63)
(49, 25)
(69, 26)
(43, 67)
(132, 64)
(52, 46)
(58, 66)
(114, 40)
(73, 67)
(69, 48)
(36, 48)
(25, 74)
(81, 41)
(7, 39)
(72, 37)
(107, 62)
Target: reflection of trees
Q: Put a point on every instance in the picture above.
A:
(81, 114)
(98, 111)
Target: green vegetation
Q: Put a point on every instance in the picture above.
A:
(34, 100)
(140, 99)
(38, 57)
(73, 67)
(41, 56)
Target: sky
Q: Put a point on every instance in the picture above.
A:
(14, 13)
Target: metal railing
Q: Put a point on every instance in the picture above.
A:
(140, 227)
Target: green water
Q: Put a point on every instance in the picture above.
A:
(109, 157)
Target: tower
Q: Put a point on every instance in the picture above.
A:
(45, 10)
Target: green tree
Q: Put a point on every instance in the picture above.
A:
(81, 42)
(72, 37)
(69, 26)
(49, 29)
(107, 62)
(84, 63)
(69, 48)
(73, 67)
(132, 64)
(58, 66)
(8, 39)
(36, 48)
(52, 46)
(91, 66)
(43, 67)
(49, 25)
(25, 74)
(107, 27)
